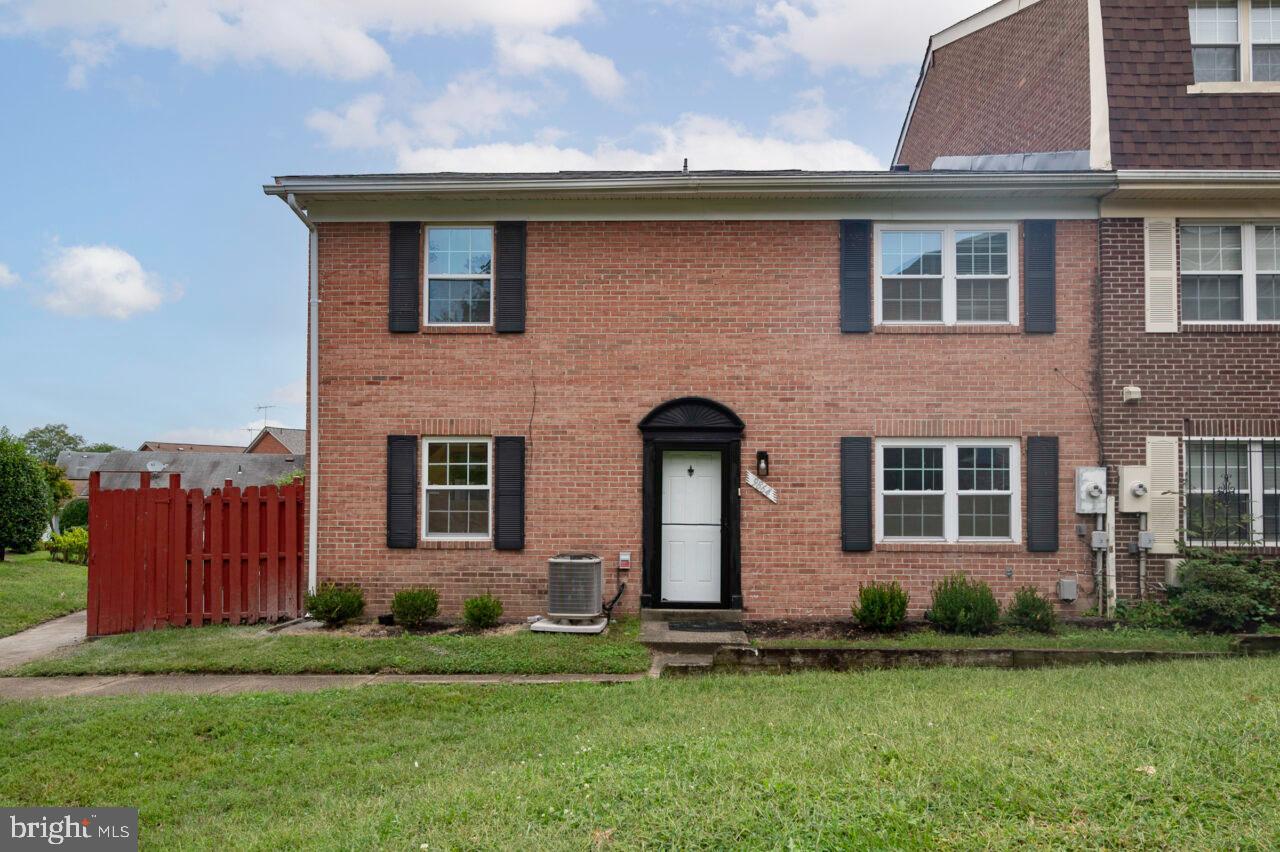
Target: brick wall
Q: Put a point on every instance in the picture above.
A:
(270, 444)
(1155, 123)
(623, 316)
(1018, 85)
(1195, 382)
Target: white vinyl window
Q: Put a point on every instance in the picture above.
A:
(947, 490)
(459, 275)
(946, 274)
(1232, 491)
(1235, 41)
(458, 483)
(1230, 273)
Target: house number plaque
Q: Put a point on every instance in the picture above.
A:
(770, 493)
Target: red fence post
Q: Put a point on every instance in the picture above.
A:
(95, 555)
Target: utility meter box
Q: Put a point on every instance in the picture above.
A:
(1091, 490)
(1135, 489)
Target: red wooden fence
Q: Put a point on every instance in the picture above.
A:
(165, 556)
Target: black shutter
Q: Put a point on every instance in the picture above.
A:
(403, 315)
(402, 491)
(508, 254)
(1040, 315)
(855, 494)
(508, 482)
(1042, 495)
(855, 276)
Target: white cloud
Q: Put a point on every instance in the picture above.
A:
(471, 105)
(333, 38)
(811, 120)
(85, 55)
(865, 35)
(230, 436)
(100, 281)
(294, 393)
(709, 142)
(8, 277)
(526, 52)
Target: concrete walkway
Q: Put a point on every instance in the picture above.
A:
(210, 684)
(42, 640)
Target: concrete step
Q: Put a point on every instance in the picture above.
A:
(660, 638)
(731, 615)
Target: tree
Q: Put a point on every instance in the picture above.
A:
(45, 442)
(100, 447)
(60, 488)
(25, 503)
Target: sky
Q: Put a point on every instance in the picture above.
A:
(150, 291)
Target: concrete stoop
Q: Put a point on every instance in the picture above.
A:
(688, 651)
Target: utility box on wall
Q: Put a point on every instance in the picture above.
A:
(1091, 491)
(1135, 489)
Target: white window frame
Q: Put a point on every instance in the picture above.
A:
(951, 493)
(1255, 455)
(1244, 66)
(1249, 270)
(427, 276)
(949, 276)
(427, 440)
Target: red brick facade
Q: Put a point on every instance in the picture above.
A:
(1155, 122)
(623, 316)
(1019, 85)
(1212, 381)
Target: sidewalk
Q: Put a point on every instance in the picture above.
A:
(42, 640)
(207, 684)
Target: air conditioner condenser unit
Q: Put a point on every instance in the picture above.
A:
(575, 595)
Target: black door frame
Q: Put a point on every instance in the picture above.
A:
(693, 424)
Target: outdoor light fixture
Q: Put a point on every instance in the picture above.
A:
(762, 463)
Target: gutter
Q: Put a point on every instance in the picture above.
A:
(799, 183)
(313, 393)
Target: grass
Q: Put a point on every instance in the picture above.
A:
(247, 650)
(1116, 639)
(34, 588)
(1174, 755)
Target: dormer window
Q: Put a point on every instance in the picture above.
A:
(1219, 29)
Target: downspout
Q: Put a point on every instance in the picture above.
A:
(313, 390)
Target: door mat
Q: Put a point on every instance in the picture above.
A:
(703, 626)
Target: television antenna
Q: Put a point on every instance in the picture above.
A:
(264, 409)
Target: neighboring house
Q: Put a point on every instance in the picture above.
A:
(277, 439)
(1182, 99)
(77, 466)
(206, 471)
(179, 447)
(508, 366)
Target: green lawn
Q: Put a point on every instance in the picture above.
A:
(246, 649)
(1119, 639)
(34, 588)
(1175, 755)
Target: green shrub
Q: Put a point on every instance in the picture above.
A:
(482, 612)
(291, 477)
(1225, 592)
(25, 502)
(335, 604)
(1147, 614)
(74, 514)
(961, 605)
(881, 606)
(70, 546)
(415, 607)
(1031, 611)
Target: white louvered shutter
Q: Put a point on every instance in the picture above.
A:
(1161, 275)
(1162, 459)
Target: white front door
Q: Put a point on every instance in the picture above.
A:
(691, 527)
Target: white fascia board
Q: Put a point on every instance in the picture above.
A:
(1099, 102)
(916, 208)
